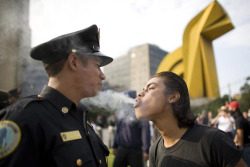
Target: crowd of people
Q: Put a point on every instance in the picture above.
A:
(51, 128)
(125, 135)
(233, 122)
(9, 97)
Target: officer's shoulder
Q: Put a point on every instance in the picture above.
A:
(22, 103)
(19, 106)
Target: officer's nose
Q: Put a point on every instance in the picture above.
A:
(102, 76)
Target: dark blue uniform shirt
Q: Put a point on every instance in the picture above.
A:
(54, 132)
(132, 133)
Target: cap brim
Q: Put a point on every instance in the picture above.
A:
(105, 60)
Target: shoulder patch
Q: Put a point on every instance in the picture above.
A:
(10, 136)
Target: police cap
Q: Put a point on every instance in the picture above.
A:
(14, 92)
(84, 42)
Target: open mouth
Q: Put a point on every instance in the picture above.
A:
(137, 103)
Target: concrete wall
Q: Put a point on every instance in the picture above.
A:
(14, 42)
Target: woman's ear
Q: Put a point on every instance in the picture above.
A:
(174, 97)
(72, 60)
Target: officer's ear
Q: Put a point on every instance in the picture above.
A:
(174, 97)
(73, 61)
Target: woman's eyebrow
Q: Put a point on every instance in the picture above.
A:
(146, 87)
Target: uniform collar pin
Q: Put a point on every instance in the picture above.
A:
(65, 110)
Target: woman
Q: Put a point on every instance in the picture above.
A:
(225, 121)
(165, 101)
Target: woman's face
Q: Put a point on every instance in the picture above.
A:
(152, 102)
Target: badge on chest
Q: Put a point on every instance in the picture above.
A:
(71, 135)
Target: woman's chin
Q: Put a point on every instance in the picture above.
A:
(139, 116)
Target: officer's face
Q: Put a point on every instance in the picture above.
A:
(90, 78)
(152, 102)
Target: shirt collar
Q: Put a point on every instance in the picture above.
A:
(56, 98)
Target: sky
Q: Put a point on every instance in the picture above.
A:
(125, 24)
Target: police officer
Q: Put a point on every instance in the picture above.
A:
(50, 129)
(3, 99)
(14, 95)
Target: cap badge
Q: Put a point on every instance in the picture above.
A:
(95, 48)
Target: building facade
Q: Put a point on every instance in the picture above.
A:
(15, 39)
(133, 70)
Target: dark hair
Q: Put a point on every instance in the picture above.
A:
(55, 68)
(181, 108)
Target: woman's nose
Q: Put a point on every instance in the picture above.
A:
(140, 94)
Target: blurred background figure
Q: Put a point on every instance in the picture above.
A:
(248, 114)
(99, 125)
(245, 115)
(14, 95)
(132, 139)
(225, 121)
(203, 118)
(210, 118)
(155, 134)
(3, 99)
(242, 136)
(111, 130)
(92, 122)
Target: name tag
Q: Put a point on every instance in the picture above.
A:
(72, 135)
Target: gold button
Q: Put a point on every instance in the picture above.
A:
(100, 161)
(65, 110)
(40, 96)
(79, 162)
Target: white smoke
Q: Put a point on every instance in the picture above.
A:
(115, 102)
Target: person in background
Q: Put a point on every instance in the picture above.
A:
(225, 121)
(210, 118)
(203, 119)
(111, 130)
(51, 129)
(165, 101)
(132, 138)
(245, 115)
(154, 132)
(14, 95)
(99, 125)
(92, 122)
(4, 96)
(242, 136)
(248, 114)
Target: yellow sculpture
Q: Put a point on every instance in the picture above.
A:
(195, 59)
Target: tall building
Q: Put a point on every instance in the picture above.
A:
(15, 42)
(17, 68)
(133, 70)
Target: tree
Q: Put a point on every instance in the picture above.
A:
(245, 96)
(212, 106)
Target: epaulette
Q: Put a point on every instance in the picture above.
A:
(18, 106)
